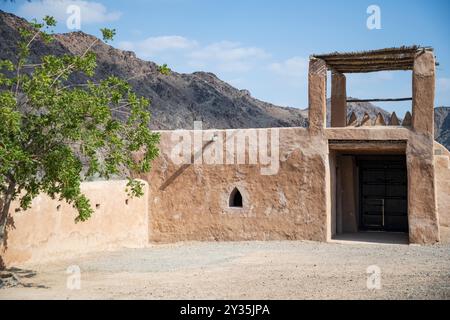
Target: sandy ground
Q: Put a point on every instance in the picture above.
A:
(245, 270)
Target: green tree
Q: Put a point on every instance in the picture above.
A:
(54, 133)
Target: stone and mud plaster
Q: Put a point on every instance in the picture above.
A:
(48, 230)
(305, 199)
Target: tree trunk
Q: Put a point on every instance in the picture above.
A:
(8, 197)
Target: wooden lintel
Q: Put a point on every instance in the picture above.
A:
(380, 100)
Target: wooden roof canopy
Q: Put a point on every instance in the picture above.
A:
(389, 59)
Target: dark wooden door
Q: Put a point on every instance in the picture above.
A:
(383, 194)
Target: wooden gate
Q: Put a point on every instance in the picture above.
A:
(383, 193)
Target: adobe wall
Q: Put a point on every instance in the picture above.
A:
(45, 232)
(423, 217)
(422, 200)
(190, 202)
(442, 167)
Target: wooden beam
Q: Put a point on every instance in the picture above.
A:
(370, 63)
(381, 59)
(379, 100)
(369, 69)
(368, 146)
(387, 51)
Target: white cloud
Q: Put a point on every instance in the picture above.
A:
(228, 51)
(443, 85)
(223, 56)
(237, 82)
(227, 56)
(290, 67)
(443, 92)
(152, 46)
(90, 12)
(294, 69)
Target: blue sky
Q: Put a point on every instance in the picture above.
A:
(263, 45)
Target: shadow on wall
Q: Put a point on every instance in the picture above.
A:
(177, 173)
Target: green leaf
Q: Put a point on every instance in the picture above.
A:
(108, 34)
(55, 133)
(164, 69)
(49, 21)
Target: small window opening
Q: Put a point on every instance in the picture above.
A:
(126, 201)
(58, 207)
(97, 206)
(235, 199)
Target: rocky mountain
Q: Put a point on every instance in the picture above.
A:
(442, 125)
(178, 99)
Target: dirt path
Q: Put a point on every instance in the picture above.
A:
(245, 270)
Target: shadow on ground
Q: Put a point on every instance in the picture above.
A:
(16, 277)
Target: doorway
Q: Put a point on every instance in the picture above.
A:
(369, 193)
(383, 193)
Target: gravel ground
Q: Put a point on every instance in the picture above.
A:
(244, 270)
